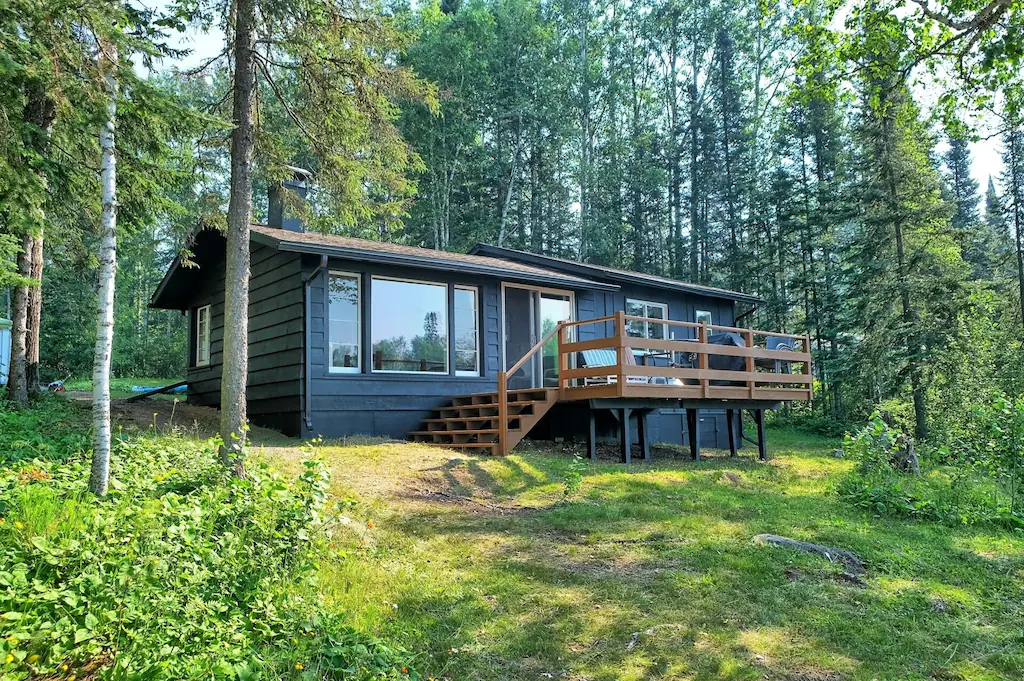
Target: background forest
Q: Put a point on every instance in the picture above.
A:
(814, 154)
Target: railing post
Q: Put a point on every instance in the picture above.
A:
(748, 337)
(502, 412)
(702, 357)
(620, 352)
(563, 360)
(807, 368)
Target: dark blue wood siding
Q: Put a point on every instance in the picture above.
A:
(274, 387)
(666, 426)
(390, 404)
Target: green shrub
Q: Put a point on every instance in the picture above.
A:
(950, 489)
(53, 430)
(998, 448)
(181, 572)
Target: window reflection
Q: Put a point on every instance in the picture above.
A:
(466, 332)
(343, 331)
(409, 326)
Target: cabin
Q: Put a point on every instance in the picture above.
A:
(478, 350)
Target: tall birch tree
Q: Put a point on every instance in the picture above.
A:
(107, 256)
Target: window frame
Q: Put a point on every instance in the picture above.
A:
(203, 341)
(448, 302)
(359, 323)
(697, 315)
(475, 373)
(645, 304)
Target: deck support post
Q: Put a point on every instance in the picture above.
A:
(762, 445)
(643, 434)
(592, 434)
(624, 434)
(693, 429)
(730, 424)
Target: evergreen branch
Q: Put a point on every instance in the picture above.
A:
(283, 100)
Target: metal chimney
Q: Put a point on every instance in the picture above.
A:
(276, 214)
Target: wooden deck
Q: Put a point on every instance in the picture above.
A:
(673, 371)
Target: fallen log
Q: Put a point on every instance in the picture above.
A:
(832, 554)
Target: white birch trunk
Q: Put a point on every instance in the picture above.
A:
(100, 474)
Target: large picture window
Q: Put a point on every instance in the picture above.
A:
(466, 332)
(409, 326)
(644, 308)
(202, 339)
(344, 329)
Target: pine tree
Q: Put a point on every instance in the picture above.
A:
(904, 269)
(975, 241)
(1013, 179)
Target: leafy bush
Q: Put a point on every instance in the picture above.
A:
(802, 419)
(950, 489)
(53, 430)
(998, 449)
(181, 572)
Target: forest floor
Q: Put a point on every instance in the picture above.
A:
(485, 569)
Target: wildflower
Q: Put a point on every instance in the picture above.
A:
(298, 665)
(3, 520)
(369, 523)
(72, 677)
(12, 639)
(10, 658)
(404, 670)
(32, 659)
(18, 524)
(294, 640)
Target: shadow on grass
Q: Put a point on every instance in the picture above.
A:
(664, 552)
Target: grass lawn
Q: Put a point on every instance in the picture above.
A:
(482, 567)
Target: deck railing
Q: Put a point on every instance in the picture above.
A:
(767, 374)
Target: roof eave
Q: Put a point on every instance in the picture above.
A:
(154, 300)
(499, 252)
(429, 263)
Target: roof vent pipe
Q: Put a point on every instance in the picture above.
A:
(277, 216)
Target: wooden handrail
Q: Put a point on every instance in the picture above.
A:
(715, 327)
(503, 377)
(540, 344)
(598, 320)
(754, 383)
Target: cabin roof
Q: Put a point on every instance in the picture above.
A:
(610, 274)
(173, 294)
(428, 258)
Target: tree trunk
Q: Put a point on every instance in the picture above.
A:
(35, 313)
(236, 293)
(903, 276)
(1015, 192)
(695, 230)
(17, 380)
(100, 474)
(39, 111)
(585, 142)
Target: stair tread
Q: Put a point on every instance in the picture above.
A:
(510, 392)
(494, 404)
(466, 418)
(474, 445)
(471, 431)
(541, 399)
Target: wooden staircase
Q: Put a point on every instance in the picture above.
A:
(474, 421)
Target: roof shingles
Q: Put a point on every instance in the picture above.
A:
(364, 246)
